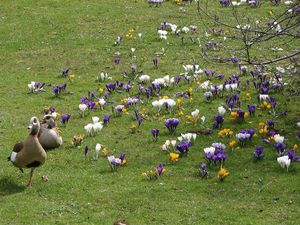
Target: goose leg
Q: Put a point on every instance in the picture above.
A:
(29, 184)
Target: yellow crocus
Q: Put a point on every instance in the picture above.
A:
(173, 156)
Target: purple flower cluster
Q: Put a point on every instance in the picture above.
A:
(57, 90)
(183, 147)
(245, 135)
(171, 124)
(251, 109)
(216, 154)
(233, 101)
(219, 119)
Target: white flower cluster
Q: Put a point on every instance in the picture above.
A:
(93, 128)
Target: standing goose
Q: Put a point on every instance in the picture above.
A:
(29, 153)
(48, 135)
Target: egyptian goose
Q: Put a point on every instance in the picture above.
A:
(49, 136)
(29, 153)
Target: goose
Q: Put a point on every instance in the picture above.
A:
(48, 135)
(29, 153)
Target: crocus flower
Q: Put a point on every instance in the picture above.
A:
(219, 120)
(171, 124)
(106, 119)
(222, 174)
(82, 108)
(65, 118)
(183, 147)
(251, 109)
(97, 148)
(114, 162)
(173, 157)
(155, 133)
(284, 161)
(258, 154)
(160, 170)
(280, 147)
(204, 173)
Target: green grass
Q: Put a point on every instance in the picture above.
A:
(39, 38)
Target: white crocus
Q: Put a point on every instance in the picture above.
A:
(144, 78)
(195, 113)
(298, 124)
(203, 119)
(284, 161)
(185, 29)
(278, 138)
(101, 102)
(173, 143)
(98, 148)
(82, 108)
(95, 119)
(221, 110)
(209, 150)
(31, 86)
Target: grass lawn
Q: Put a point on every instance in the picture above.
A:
(40, 38)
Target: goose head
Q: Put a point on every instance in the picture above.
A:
(49, 120)
(34, 125)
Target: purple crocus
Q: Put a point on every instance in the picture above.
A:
(140, 120)
(122, 157)
(251, 109)
(219, 120)
(258, 154)
(160, 169)
(183, 147)
(171, 124)
(106, 119)
(204, 173)
(110, 86)
(56, 90)
(280, 147)
(65, 118)
(270, 124)
(224, 2)
(292, 156)
(155, 133)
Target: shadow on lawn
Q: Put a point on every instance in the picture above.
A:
(9, 187)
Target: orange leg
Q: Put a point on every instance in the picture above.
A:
(29, 184)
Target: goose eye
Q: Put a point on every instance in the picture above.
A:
(35, 120)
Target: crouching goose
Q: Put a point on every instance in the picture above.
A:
(29, 153)
(49, 136)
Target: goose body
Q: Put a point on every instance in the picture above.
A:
(29, 153)
(48, 135)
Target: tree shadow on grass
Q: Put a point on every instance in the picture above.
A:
(9, 187)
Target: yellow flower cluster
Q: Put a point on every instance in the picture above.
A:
(130, 33)
(234, 115)
(71, 77)
(222, 173)
(232, 144)
(263, 128)
(178, 103)
(266, 105)
(226, 132)
(173, 157)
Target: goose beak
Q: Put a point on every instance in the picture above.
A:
(29, 127)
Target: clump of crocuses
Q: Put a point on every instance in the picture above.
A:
(216, 154)
(171, 124)
(244, 136)
(183, 148)
(154, 173)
